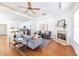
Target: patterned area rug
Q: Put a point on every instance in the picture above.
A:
(45, 43)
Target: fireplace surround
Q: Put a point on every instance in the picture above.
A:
(61, 36)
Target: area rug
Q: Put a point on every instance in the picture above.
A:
(45, 43)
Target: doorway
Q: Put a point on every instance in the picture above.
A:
(3, 29)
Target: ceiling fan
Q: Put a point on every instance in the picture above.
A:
(30, 8)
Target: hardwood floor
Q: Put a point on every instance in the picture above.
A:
(51, 49)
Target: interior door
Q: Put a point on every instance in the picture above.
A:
(3, 29)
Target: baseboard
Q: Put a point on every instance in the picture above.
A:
(61, 41)
(75, 46)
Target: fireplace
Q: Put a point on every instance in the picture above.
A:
(61, 36)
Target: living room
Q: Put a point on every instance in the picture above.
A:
(34, 31)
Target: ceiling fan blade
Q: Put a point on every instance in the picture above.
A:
(35, 8)
(26, 11)
(33, 11)
(60, 5)
(29, 4)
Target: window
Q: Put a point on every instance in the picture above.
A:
(76, 26)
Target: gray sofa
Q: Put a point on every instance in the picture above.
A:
(28, 41)
(34, 43)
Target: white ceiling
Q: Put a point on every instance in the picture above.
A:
(46, 8)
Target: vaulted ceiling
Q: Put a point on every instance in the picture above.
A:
(46, 8)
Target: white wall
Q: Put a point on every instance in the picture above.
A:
(68, 16)
(27, 24)
(76, 32)
(8, 19)
(30, 25)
